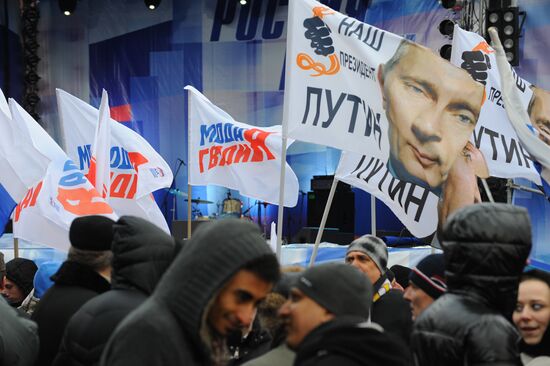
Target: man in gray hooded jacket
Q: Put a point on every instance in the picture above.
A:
(211, 289)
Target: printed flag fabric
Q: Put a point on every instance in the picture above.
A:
(415, 206)
(115, 165)
(45, 214)
(494, 134)
(361, 89)
(7, 203)
(136, 168)
(99, 172)
(62, 193)
(235, 155)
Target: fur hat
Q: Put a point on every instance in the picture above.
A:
(93, 233)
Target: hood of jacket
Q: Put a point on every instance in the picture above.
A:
(141, 254)
(485, 248)
(216, 251)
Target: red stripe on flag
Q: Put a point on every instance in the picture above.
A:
(122, 113)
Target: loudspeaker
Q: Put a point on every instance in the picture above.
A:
(179, 227)
(342, 210)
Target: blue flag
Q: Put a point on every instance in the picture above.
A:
(7, 204)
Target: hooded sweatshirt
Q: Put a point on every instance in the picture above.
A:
(166, 329)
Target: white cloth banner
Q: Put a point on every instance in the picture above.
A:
(18, 172)
(235, 155)
(494, 134)
(63, 193)
(45, 214)
(137, 169)
(358, 88)
(145, 206)
(415, 206)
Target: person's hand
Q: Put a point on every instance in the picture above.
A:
(460, 189)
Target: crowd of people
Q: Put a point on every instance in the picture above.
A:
(129, 294)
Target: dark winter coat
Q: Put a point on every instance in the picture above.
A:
(485, 250)
(141, 254)
(165, 329)
(74, 285)
(350, 342)
(18, 338)
(392, 312)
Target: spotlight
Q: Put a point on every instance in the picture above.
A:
(446, 27)
(67, 7)
(242, 2)
(445, 52)
(152, 4)
(506, 21)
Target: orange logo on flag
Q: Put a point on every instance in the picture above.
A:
(484, 47)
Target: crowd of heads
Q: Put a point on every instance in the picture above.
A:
(139, 296)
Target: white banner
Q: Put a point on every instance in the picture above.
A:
(415, 206)
(235, 155)
(358, 88)
(136, 168)
(494, 135)
(45, 214)
(124, 166)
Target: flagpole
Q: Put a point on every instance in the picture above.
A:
(189, 188)
(323, 222)
(373, 214)
(16, 247)
(487, 190)
(281, 195)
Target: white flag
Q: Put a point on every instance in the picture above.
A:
(132, 160)
(415, 206)
(235, 155)
(99, 172)
(494, 135)
(137, 169)
(63, 193)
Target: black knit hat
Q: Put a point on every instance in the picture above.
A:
(339, 288)
(21, 272)
(93, 233)
(429, 275)
(374, 247)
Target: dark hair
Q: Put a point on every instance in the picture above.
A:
(536, 274)
(96, 260)
(266, 267)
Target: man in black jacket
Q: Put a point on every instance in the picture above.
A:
(326, 318)
(18, 338)
(211, 289)
(141, 254)
(390, 310)
(485, 248)
(85, 274)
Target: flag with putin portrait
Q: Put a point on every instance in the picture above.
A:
(494, 135)
(404, 114)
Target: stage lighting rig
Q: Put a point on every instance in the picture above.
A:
(506, 21)
(152, 4)
(67, 7)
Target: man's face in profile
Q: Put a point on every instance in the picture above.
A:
(432, 108)
(539, 113)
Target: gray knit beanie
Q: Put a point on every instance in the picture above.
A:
(339, 288)
(374, 247)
